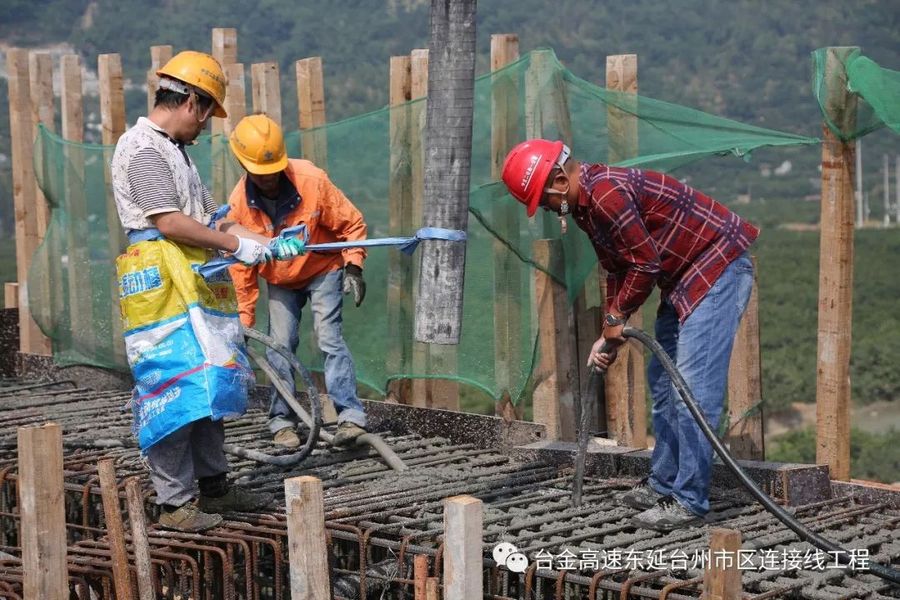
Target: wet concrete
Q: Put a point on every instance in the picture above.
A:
(42, 368)
(9, 341)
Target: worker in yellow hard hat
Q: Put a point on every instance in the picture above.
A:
(182, 334)
(276, 193)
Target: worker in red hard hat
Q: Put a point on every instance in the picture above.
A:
(649, 229)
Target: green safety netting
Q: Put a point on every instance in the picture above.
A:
(374, 158)
(877, 90)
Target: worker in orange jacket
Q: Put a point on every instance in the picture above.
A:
(276, 193)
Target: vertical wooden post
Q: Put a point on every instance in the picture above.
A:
(266, 90)
(745, 430)
(112, 511)
(432, 585)
(142, 562)
(835, 274)
(40, 70)
(159, 56)
(11, 294)
(235, 97)
(112, 118)
(400, 283)
(625, 388)
(308, 553)
(722, 577)
(463, 574)
(42, 511)
(507, 274)
(311, 110)
(420, 576)
(31, 340)
(236, 107)
(80, 304)
(421, 388)
(553, 398)
(112, 98)
(224, 50)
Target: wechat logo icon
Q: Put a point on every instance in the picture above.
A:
(507, 555)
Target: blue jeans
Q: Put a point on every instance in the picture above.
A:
(681, 465)
(326, 298)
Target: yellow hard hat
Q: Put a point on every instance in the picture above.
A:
(258, 143)
(201, 71)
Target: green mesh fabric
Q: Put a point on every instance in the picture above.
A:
(877, 90)
(373, 158)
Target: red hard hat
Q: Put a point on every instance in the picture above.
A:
(526, 169)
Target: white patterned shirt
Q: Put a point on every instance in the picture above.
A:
(152, 174)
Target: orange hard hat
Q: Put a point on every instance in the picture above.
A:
(527, 167)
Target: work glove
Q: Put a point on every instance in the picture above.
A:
(287, 248)
(353, 283)
(250, 252)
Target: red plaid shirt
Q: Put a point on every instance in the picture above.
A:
(650, 229)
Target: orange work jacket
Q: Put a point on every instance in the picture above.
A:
(329, 217)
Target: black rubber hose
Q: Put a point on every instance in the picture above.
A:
(583, 415)
(284, 460)
(882, 571)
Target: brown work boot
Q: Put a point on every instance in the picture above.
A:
(188, 518)
(287, 438)
(236, 499)
(347, 432)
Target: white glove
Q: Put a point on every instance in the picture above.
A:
(250, 252)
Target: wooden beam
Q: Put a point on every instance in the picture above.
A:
(443, 360)
(236, 107)
(507, 272)
(42, 512)
(80, 309)
(745, 410)
(236, 96)
(112, 512)
(311, 110)
(308, 552)
(432, 587)
(112, 98)
(400, 266)
(722, 576)
(21, 131)
(11, 294)
(266, 90)
(835, 274)
(463, 570)
(224, 45)
(41, 284)
(420, 576)
(112, 121)
(625, 388)
(224, 50)
(159, 56)
(556, 373)
(142, 562)
(421, 388)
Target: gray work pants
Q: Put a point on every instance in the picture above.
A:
(182, 457)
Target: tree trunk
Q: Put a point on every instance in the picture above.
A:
(448, 152)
